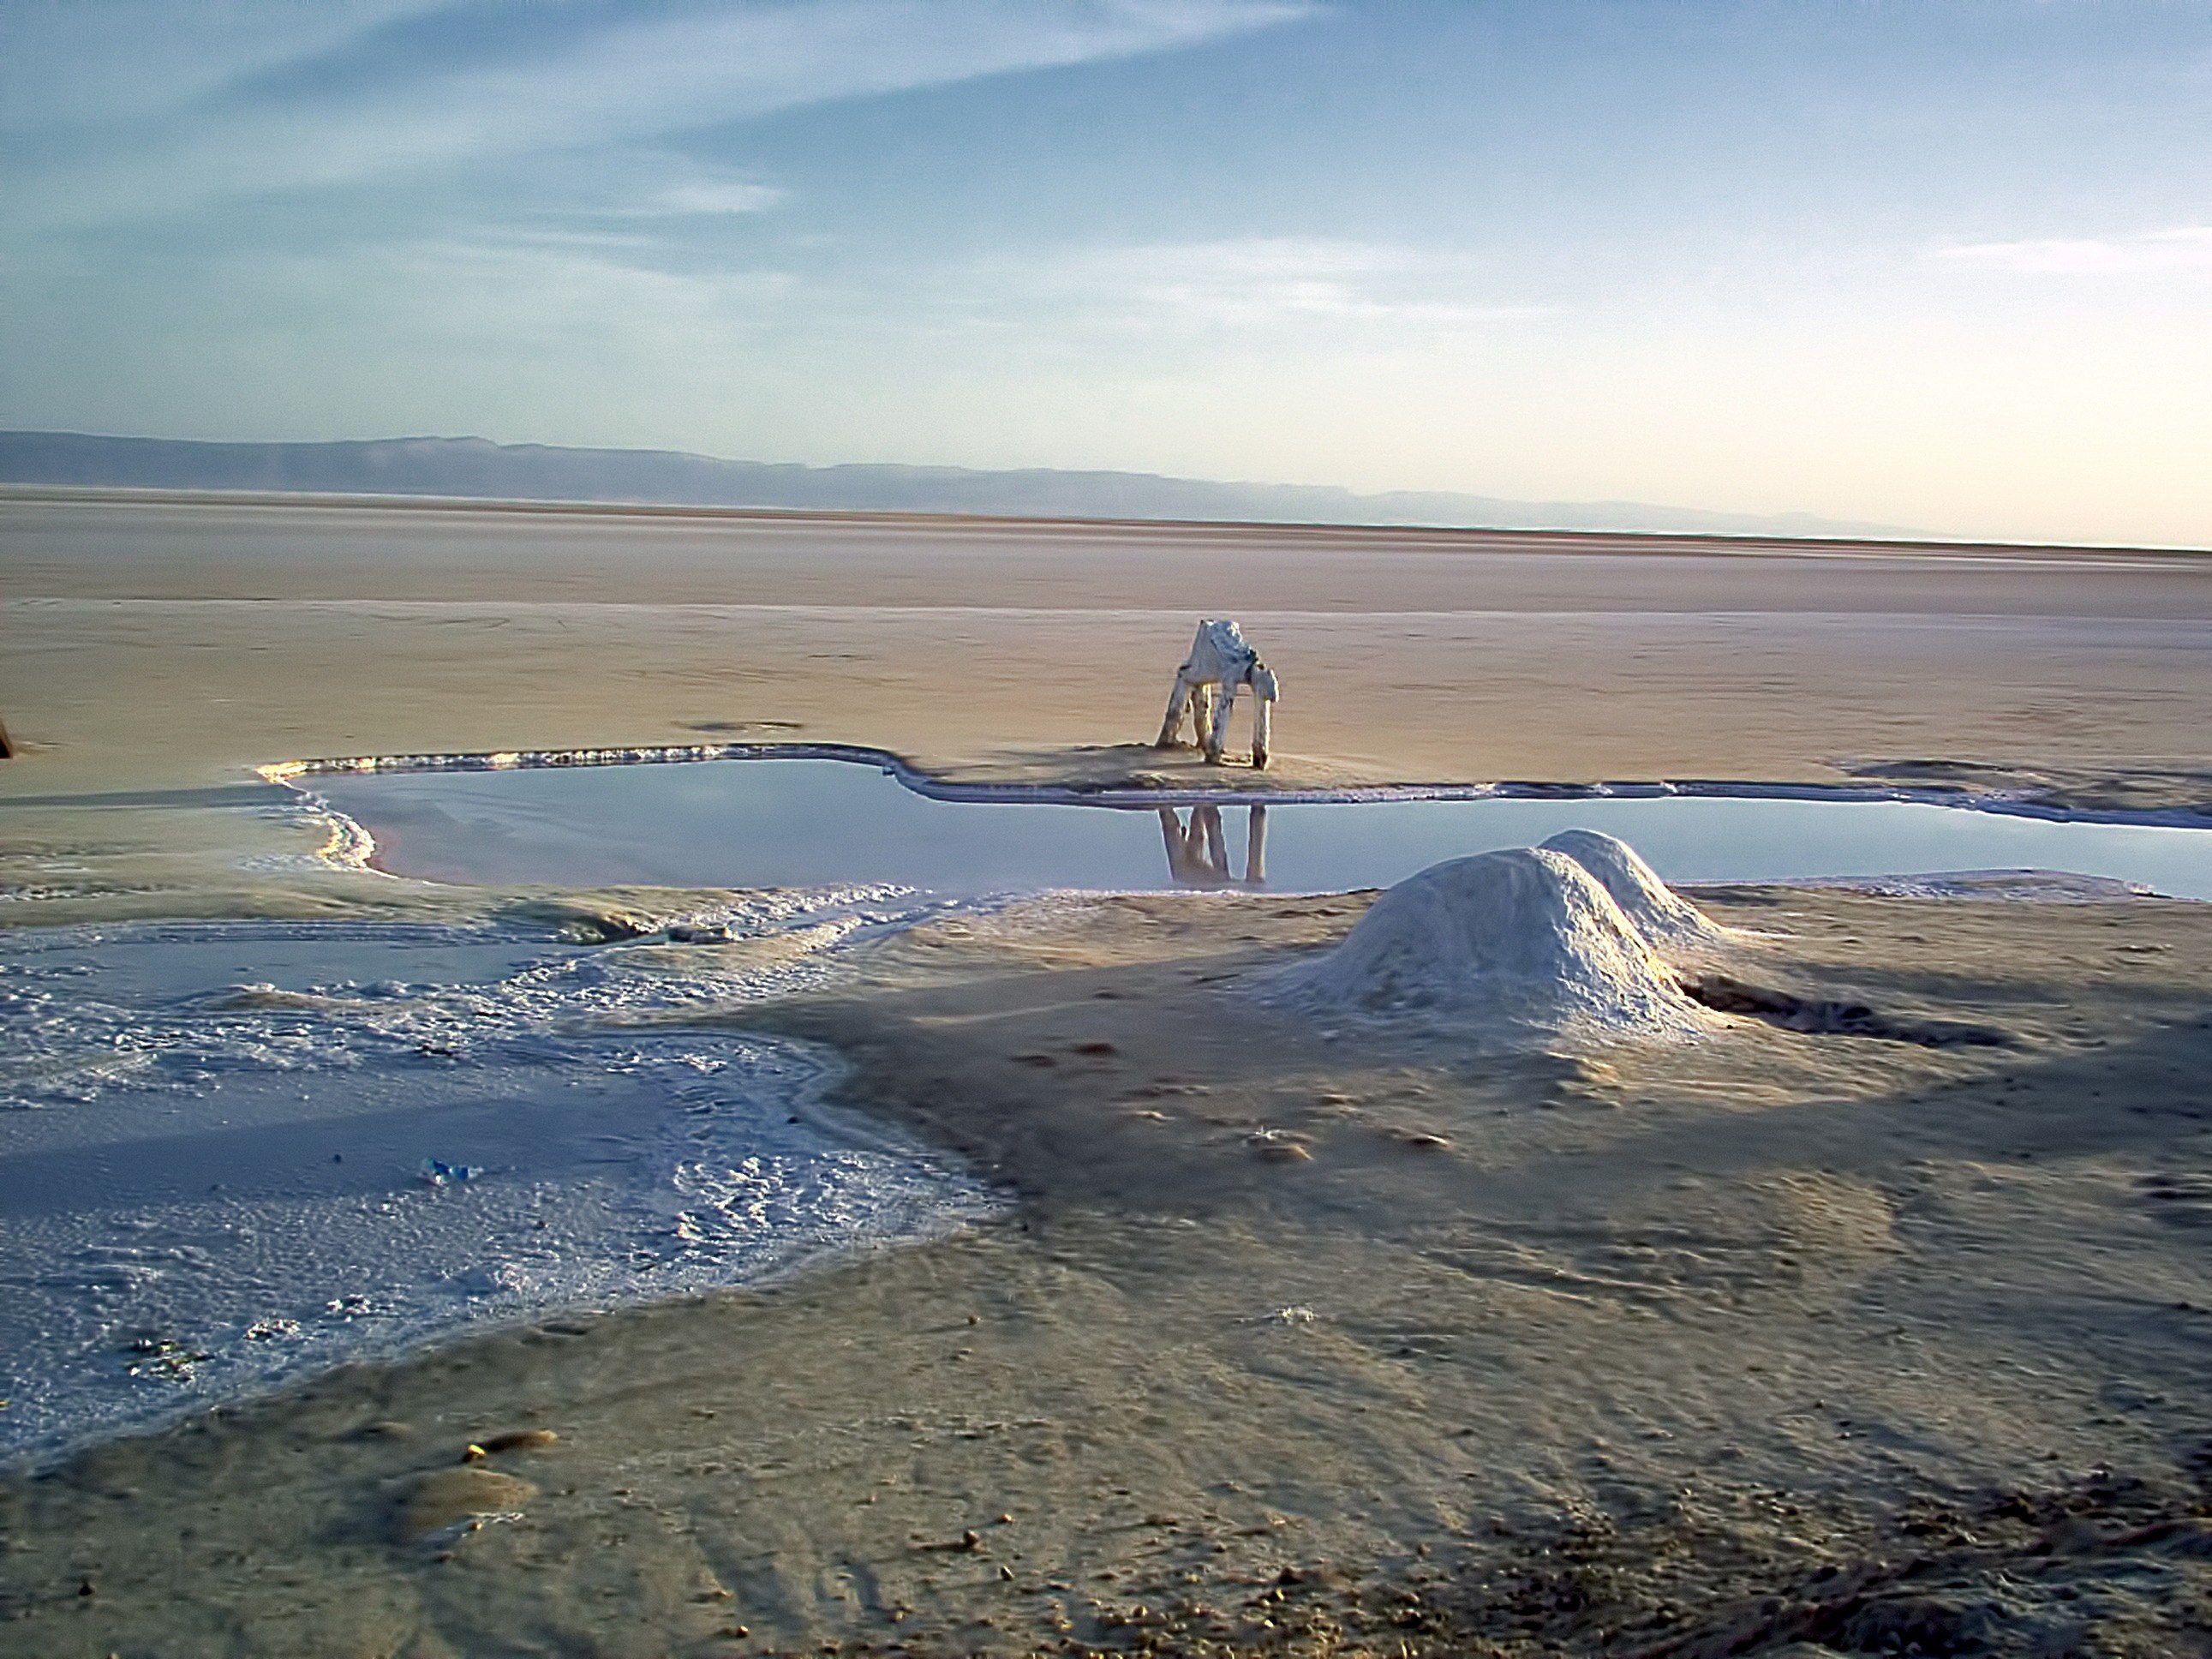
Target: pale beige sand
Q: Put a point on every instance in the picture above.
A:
(250, 634)
(1697, 1348)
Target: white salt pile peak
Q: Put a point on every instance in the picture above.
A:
(1522, 943)
(1661, 914)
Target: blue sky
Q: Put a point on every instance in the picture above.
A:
(1945, 265)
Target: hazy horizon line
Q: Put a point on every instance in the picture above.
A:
(1264, 501)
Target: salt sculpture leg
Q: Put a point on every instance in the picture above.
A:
(1217, 731)
(1255, 845)
(1262, 708)
(1172, 727)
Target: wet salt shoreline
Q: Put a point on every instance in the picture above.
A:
(216, 1184)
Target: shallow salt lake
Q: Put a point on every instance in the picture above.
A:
(776, 823)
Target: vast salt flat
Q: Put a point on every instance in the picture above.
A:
(1599, 1298)
(232, 1154)
(770, 822)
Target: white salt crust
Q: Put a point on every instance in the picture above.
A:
(1517, 946)
(1660, 913)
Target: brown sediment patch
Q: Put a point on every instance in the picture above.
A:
(438, 1501)
(515, 1440)
(2099, 1563)
(2077, 788)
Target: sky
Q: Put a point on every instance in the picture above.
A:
(1943, 265)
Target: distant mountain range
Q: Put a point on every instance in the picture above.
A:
(476, 468)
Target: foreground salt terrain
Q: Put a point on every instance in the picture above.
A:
(1869, 1311)
(1301, 1335)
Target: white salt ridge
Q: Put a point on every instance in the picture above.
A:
(2039, 886)
(70, 1038)
(1517, 946)
(1656, 910)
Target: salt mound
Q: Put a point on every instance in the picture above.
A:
(1656, 909)
(1523, 941)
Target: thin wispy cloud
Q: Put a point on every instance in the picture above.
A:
(654, 185)
(1302, 292)
(1257, 282)
(2184, 248)
(711, 197)
(421, 92)
(76, 68)
(558, 300)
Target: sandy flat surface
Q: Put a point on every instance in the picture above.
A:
(266, 633)
(1296, 1337)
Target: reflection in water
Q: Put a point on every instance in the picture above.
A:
(1197, 852)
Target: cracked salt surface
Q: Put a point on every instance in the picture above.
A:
(213, 1140)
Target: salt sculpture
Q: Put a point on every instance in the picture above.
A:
(1206, 688)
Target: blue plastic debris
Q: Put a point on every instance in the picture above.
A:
(439, 1173)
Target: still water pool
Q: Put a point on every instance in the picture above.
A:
(778, 822)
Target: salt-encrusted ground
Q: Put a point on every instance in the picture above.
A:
(1327, 1337)
(1874, 1318)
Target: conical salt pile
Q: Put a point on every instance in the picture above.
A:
(1520, 942)
(1661, 914)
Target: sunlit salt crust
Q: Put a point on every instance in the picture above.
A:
(1657, 912)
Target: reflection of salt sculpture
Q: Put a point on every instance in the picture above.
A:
(1205, 686)
(1198, 854)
